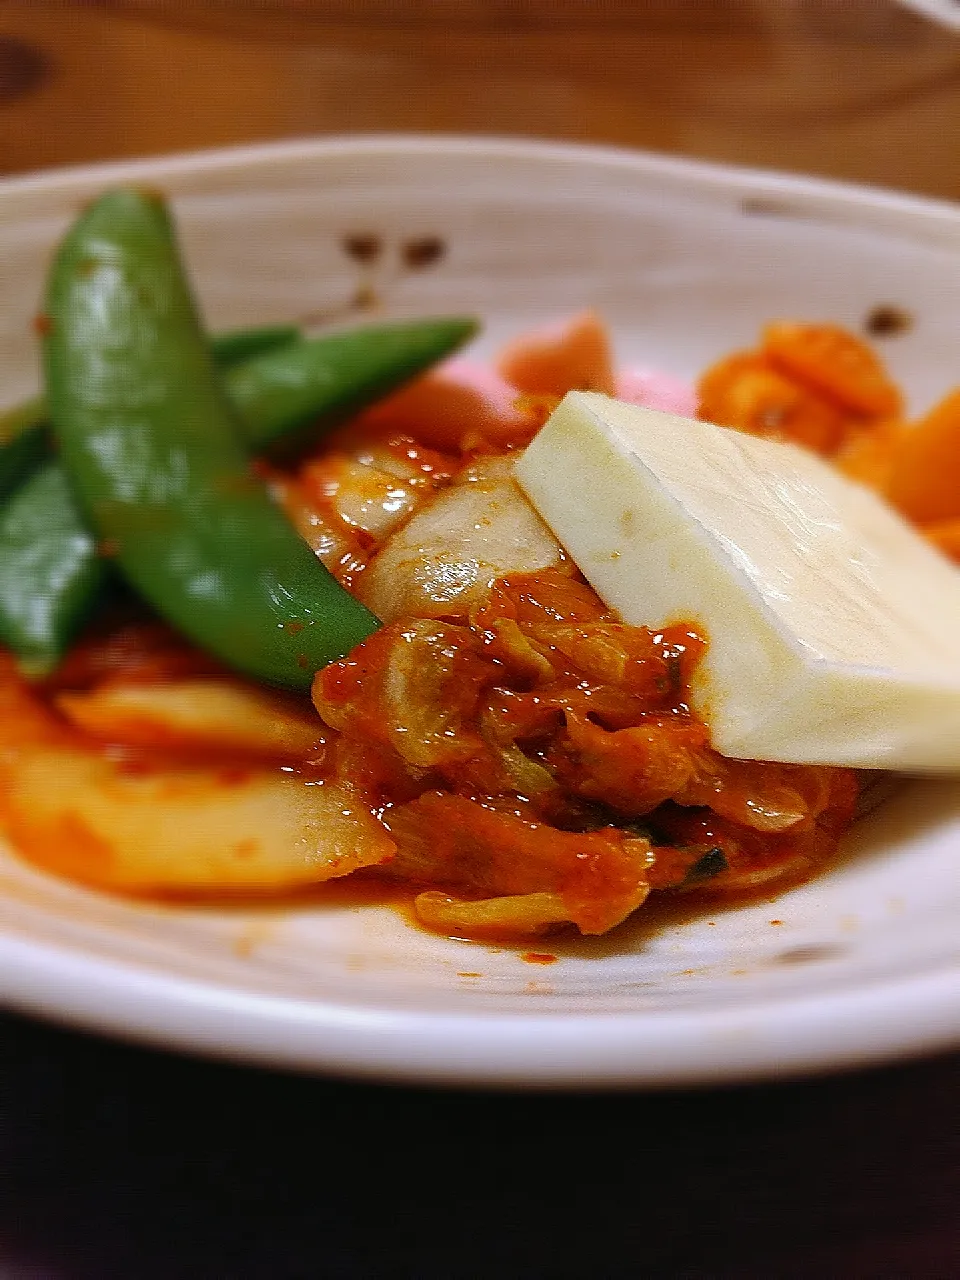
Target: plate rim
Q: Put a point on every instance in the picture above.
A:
(710, 173)
(767, 1039)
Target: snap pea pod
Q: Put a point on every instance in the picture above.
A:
(24, 428)
(281, 402)
(285, 401)
(153, 450)
(44, 539)
(312, 385)
(24, 442)
(286, 398)
(233, 346)
(51, 576)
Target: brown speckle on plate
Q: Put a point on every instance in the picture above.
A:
(887, 321)
(362, 246)
(764, 206)
(366, 298)
(423, 251)
(808, 955)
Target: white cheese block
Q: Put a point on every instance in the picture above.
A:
(833, 628)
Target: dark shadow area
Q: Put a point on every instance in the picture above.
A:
(121, 1162)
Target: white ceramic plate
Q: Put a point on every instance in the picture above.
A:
(686, 261)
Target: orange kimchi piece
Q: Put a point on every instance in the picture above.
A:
(815, 385)
(540, 751)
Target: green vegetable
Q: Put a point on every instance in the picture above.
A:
(153, 451)
(286, 391)
(236, 345)
(24, 442)
(706, 867)
(287, 397)
(301, 388)
(50, 574)
(24, 429)
(308, 384)
(43, 539)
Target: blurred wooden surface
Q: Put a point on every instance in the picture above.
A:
(860, 89)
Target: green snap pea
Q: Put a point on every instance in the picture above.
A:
(233, 346)
(51, 576)
(24, 442)
(24, 428)
(153, 450)
(43, 538)
(286, 390)
(286, 398)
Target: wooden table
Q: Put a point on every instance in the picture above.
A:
(121, 1162)
(860, 89)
